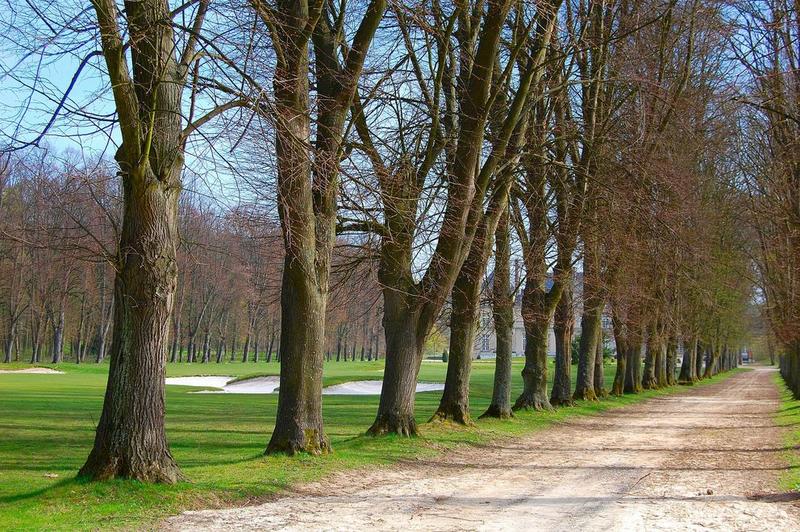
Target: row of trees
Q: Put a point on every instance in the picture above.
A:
(426, 142)
(58, 226)
(766, 42)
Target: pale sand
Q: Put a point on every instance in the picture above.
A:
(374, 388)
(38, 371)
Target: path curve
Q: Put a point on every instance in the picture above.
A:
(706, 459)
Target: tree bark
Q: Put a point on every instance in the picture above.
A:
(130, 441)
(688, 373)
(587, 354)
(599, 370)
(699, 355)
(622, 354)
(537, 319)
(404, 342)
(671, 359)
(633, 369)
(503, 316)
(564, 323)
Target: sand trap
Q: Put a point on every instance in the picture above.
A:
(41, 371)
(256, 385)
(210, 381)
(270, 385)
(373, 388)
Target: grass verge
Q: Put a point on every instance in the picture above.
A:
(788, 417)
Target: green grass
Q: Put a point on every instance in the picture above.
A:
(788, 416)
(47, 427)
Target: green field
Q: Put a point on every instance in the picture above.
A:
(47, 427)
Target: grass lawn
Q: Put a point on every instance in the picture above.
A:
(789, 416)
(47, 428)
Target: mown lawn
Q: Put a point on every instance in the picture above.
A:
(789, 416)
(47, 427)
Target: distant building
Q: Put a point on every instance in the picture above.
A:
(486, 340)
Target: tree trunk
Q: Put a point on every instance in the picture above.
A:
(176, 340)
(661, 364)
(633, 369)
(688, 373)
(454, 404)
(298, 424)
(58, 337)
(271, 345)
(9, 344)
(587, 353)
(246, 348)
(220, 349)
(564, 323)
(622, 354)
(671, 359)
(404, 344)
(650, 377)
(503, 316)
(130, 440)
(534, 374)
(599, 370)
(699, 355)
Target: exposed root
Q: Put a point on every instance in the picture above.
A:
(402, 425)
(561, 401)
(307, 441)
(586, 394)
(105, 466)
(532, 401)
(496, 412)
(452, 414)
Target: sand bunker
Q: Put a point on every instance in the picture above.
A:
(41, 371)
(210, 381)
(255, 385)
(270, 384)
(374, 388)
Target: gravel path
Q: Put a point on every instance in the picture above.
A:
(706, 459)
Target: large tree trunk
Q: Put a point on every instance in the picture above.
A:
(587, 354)
(404, 342)
(564, 323)
(130, 440)
(466, 293)
(633, 370)
(699, 356)
(650, 377)
(536, 316)
(623, 354)
(688, 374)
(307, 201)
(712, 359)
(671, 359)
(454, 404)
(503, 316)
(661, 364)
(298, 425)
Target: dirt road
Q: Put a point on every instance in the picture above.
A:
(706, 459)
